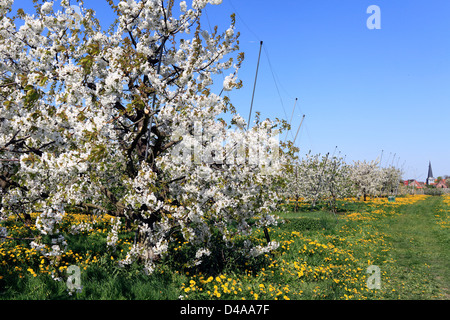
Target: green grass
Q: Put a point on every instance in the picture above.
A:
(421, 249)
(321, 256)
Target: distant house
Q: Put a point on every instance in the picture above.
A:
(413, 184)
(441, 184)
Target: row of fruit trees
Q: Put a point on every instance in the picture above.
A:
(324, 177)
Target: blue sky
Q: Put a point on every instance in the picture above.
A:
(366, 92)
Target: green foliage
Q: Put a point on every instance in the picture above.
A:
(433, 191)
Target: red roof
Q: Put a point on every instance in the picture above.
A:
(414, 183)
(441, 184)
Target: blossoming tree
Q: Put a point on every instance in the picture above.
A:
(390, 179)
(366, 177)
(320, 178)
(125, 122)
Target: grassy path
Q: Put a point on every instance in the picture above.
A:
(420, 247)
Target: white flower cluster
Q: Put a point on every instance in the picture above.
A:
(131, 256)
(47, 7)
(198, 256)
(259, 250)
(113, 235)
(81, 227)
(47, 222)
(229, 82)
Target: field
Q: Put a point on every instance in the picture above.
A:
(321, 256)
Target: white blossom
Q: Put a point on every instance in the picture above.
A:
(201, 252)
(47, 7)
(183, 6)
(258, 250)
(229, 82)
(113, 235)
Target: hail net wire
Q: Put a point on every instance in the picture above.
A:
(274, 76)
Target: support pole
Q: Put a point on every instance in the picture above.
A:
(254, 85)
(303, 118)
(290, 121)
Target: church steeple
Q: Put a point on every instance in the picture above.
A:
(430, 178)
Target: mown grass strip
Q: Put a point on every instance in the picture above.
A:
(421, 250)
